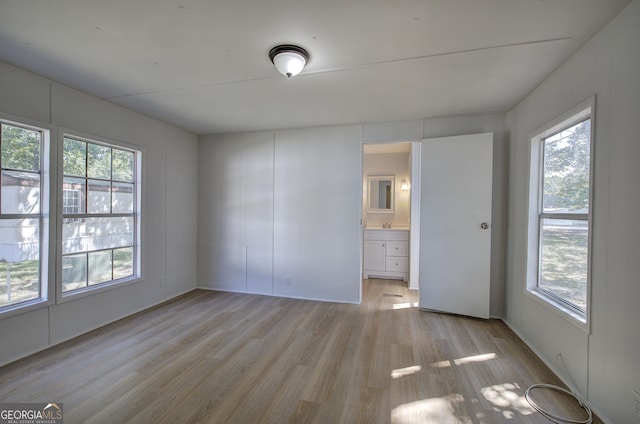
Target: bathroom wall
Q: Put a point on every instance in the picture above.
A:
(396, 164)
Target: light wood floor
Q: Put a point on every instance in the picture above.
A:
(216, 357)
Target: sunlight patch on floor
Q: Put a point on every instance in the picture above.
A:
(403, 372)
(434, 410)
(465, 360)
(507, 400)
(405, 305)
(475, 358)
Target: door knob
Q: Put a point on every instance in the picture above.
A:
(484, 225)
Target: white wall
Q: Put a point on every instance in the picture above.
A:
(169, 209)
(605, 363)
(280, 204)
(235, 212)
(280, 207)
(396, 164)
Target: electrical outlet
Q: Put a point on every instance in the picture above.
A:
(636, 405)
(163, 281)
(287, 280)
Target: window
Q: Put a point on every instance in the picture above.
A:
(23, 227)
(71, 201)
(560, 219)
(101, 206)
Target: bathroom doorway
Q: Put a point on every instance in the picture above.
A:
(387, 212)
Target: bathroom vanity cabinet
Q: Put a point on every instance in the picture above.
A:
(386, 253)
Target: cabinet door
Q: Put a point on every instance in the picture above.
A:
(374, 256)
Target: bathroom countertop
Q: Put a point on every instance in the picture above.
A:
(405, 228)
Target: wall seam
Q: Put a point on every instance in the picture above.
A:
(273, 214)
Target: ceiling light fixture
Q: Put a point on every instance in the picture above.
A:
(288, 59)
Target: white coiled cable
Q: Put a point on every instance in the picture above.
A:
(556, 418)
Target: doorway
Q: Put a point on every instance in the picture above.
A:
(448, 236)
(387, 224)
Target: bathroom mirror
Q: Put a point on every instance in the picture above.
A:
(380, 193)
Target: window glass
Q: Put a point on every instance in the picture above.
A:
(20, 263)
(21, 219)
(75, 157)
(122, 198)
(74, 272)
(100, 267)
(563, 268)
(563, 225)
(122, 165)
(122, 262)
(566, 170)
(98, 161)
(20, 192)
(98, 196)
(21, 148)
(99, 230)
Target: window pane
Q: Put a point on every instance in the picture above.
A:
(20, 148)
(75, 157)
(122, 165)
(74, 272)
(100, 267)
(98, 162)
(122, 198)
(19, 260)
(566, 170)
(99, 197)
(20, 192)
(564, 260)
(74, 237)
(122, 263)
(96, 234)
(113, 232)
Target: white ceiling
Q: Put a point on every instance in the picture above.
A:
(202, 65)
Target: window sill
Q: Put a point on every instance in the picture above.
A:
(24, 307)
(557, 308)
(90, 291)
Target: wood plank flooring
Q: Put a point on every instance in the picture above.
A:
(212, 357)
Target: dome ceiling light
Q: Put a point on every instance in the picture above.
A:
(288, 59)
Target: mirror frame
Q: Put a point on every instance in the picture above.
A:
(373, 178)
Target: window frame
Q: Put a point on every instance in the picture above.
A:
(47, 216)
(581, 112)
(138, 273)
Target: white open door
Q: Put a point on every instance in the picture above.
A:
(455, 224)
